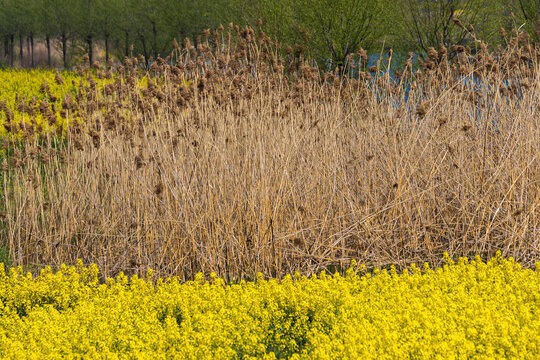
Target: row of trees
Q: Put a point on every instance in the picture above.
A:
(333, 29)
(330, 29)
(122, 27)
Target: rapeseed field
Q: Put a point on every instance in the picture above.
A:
(36, 101)
(232, 164)
(463, 310)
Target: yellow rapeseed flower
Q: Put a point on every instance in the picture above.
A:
(466, 309)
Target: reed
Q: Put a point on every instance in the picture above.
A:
(242, 158)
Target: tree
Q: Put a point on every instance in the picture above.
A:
(124, 25)
(109, 13)
(430, 23)
(4, 28)
(22, 15)
(10, 26)
(87, 18)
(338, 28)
(31, 14)
(146, 26)
(330, 29)
(47, 25)
(185, 18)
(528, 12)
(279, 21)
(64, 16)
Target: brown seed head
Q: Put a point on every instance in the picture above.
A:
(457, 22)
(187, 43)
(523, 37)
(127, 62)
(139, 162)
(68, 103)
(44, 88)
(443, 51)
(58, 79)
(289, 50)
(158, 188)
(298, 242)
(95, 138)
(442, 121)
(363, 54)
(433, 54)
(422, 109)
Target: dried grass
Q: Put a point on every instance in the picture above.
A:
(263, 164)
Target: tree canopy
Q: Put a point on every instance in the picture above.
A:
(330, 30)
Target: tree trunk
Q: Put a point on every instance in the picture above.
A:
(11, 49)
(106, 47)
(21, 48)
(6, 45)
(127, 43)
(32, 48)
(64, 50)
(145, 51)
(90, 48)
(48, 43)
(154, 33)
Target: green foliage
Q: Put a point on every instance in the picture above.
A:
(5, 256)
(431, 23)
(330, 29)
(528, 16)
(336, 28)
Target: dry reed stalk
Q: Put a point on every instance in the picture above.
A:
(247, 169)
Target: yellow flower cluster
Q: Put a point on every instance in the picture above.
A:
(468, 309)
(23, 91)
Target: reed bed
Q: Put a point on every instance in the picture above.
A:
(236, 156)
